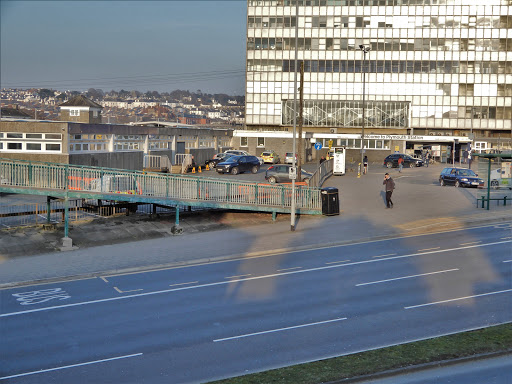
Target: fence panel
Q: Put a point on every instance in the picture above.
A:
(106, 180)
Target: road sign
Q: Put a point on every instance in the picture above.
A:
(318, 146)
(292, 173)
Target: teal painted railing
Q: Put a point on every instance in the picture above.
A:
(18, 175)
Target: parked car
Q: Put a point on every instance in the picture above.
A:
(460, 177)
(502, 177)
(391, 161)
(239, 164)
(212, 163)
(281, 174)
(270, 157)
(240, 152)
(288, 158)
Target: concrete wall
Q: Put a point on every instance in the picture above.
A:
(121, 160)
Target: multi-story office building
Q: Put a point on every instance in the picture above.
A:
(435, 67)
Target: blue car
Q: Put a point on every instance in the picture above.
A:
(460, 177)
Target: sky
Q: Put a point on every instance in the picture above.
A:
(133, 45)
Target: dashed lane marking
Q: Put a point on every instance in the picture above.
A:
(70, 366)
(288, 269)
(389, 254)
(428, 249)
(133, 290)
(338, 262)
(280, 329)
(237, 277)
(190, 282)
(473, 242)
(406, 277)
(458, 299)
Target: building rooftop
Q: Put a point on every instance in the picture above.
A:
(80, 101)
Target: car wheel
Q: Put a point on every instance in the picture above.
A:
(389, 164)
(272, 180)
(234, 171)
(441, 182)
(412, 165)
(255, 169)
(495, 184)
(457, 183)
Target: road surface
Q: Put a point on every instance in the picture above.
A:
(200, 323)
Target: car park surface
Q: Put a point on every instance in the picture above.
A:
(239, 164)
(460, 177)
(391, 161)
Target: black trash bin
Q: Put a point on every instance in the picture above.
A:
(330, 201)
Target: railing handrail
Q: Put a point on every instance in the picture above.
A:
(82, 179)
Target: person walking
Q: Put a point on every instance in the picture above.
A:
(428, 158)
(390, 186)
(400, 164)
(365, 164)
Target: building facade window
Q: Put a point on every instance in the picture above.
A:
(74, 112)
(244, 142)
(433, 56)
(261, 142)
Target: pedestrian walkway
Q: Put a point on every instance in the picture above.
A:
(131, 243)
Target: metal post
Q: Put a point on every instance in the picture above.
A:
(489, 184)
(66, 216)
(365, 50)
(294, 150)
(48, 209)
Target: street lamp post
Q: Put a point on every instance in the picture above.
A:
(365, 50)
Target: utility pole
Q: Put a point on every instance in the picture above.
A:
(294, 150)
(301, 121)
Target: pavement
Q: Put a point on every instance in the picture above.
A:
(137, 242)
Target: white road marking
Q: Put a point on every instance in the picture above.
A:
(236, 277)
(406, 277)
(458, 299)
(71, 366)
(190, 282)
(288, 269)
(104, 279)
(428, 249)
(248, 279)
(389, 254)
(280, 329)
(337, 262)
(508, 261)
(133, 290)
(473, 242)
(505, 238)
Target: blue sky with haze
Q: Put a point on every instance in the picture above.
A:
(143, 45)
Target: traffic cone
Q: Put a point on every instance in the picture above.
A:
(207, 167)
(194, 170)
(199, 170)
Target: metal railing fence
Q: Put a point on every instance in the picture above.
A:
(323, 172)
(20, 173)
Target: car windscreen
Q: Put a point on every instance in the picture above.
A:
(266, 154)
(467, 172)
(231, 159)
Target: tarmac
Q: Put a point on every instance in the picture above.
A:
(106, 246)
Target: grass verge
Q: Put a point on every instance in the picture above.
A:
(465, 344)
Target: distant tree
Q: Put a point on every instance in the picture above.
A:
(45, 93)
(95, 94)
(124, 94)
(61, 97)
(135, 94)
